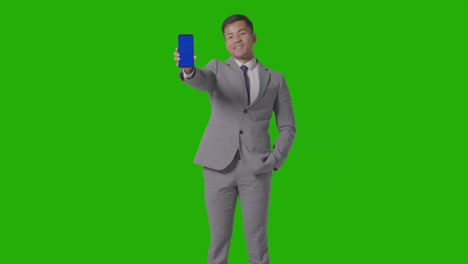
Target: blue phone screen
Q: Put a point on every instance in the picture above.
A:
(186, 51)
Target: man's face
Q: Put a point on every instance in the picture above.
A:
(239, 40)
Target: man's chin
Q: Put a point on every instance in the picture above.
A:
(239, 56)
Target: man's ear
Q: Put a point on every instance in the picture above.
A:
(254, 36)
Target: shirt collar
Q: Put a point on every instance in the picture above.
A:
(251, 64)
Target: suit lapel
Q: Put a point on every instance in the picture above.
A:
(239, 86)
(233, 65)
(264, 79)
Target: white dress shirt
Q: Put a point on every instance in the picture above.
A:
(252, 73)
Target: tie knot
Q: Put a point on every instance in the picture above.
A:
(244, 68)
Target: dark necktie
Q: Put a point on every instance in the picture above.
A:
(247, 82)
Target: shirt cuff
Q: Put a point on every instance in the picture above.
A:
(188, 76)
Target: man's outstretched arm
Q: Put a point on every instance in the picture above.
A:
(203, 79)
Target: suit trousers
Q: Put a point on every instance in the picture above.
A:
(222, 187)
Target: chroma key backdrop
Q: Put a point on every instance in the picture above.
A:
(99, 133)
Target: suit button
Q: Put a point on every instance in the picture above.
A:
(241, 132)
(245, 110)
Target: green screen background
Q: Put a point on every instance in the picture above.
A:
(100, 133)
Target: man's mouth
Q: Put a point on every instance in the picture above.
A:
(238, 47)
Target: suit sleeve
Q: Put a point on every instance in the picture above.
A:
(285, 122)
(203, 79)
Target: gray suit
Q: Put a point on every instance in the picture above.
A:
(237, 128)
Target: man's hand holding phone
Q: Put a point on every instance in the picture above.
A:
(184, 54)
(187, 70)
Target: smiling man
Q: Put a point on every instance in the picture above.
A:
(235, 150)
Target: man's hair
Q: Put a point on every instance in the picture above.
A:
(234, 18)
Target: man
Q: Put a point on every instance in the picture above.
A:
(235, 148)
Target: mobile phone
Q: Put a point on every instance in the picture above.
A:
(186, 50)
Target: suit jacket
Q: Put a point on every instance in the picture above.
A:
(233, 125)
